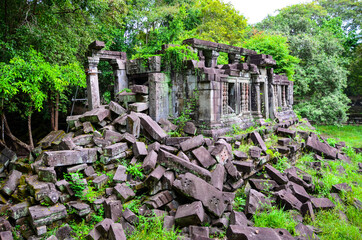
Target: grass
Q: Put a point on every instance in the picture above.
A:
(275, 218)
(331, 224)
(150, 228)
(350, 134)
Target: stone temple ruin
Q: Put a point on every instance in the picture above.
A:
(192, 182)
(235, 93)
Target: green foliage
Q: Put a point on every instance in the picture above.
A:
(76, 183)
(239, 200)
(176, 55)
(316, 37)
(273, 217)
(282, 163)
(135, 170)
(351, 135)
(221, 22)
(277, 46)
(150, 228)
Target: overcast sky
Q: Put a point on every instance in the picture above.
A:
(257, 10)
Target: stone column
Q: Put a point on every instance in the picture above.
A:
(210, 102)
(120, 76)
(258, 99)
(92, 83)
(158, 96)
(266, 98)
(211, 58)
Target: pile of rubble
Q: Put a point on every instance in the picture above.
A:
(190, 180)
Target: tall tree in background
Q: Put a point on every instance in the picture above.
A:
(319, 40)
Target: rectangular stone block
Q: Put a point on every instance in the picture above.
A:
(41, 216)
(115, 149)
(70, 157)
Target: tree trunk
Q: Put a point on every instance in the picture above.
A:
(31, 143)
(51, 109)
(56, 117)
(13, 138)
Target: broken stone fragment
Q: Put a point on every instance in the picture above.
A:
(83, 140)
(89, 171)
(142, 89)
(288, 200)
(299, 192)
(190, 214)
(190, 128)
(77, 168)
(52, 197)
(12, 182)
(159, 199)
(64, 187)
(182, 166)
(314, 144)
(87, 127)
(100, 181)
(167, 125)
(284, 141)
(47, 174)
(48, 139)
(238, 218)
(70, 157)
(168, 222)
(112, 136)
(95, 116)
(113, 209)
(149, 163)
(244, 166)
(255, 201)
(192, 143)
(152, 128)
(255, 152)
(19, 210)
(304, 231)
(104, 226)
(116, 108)
(240, 155)
(41, 216)
(232, 170)
(196, 188)
(93, 235)
(120, 175)
(236, 232)
(217, 177)
(6, 235)
(204, 157)
(123, 192)
(322, 203)
(81, 209)
(263, 184)
(257, 140)
(139, 149)
(133, 124)
(341, 187)
(138, 106)
(130, 217)
(276, 175)
(221, 153)
(115, 149)
(116, 232)
(197, 232)
(286, 132)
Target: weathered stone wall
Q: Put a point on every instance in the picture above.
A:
(215, 96)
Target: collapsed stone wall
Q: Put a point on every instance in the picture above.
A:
(190, 180)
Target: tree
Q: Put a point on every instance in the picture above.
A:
(277, 46)
(319, 41)
(27, 81)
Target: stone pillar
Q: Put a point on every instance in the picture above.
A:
(120, 76)
(266, 98)
(280, 100)
(92, 83)
(258, 100)
(210, 102)
(158, 96)
(211, 58)
(290, 95)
